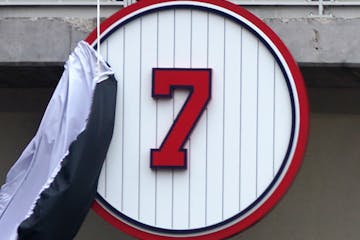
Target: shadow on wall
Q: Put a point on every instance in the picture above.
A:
(321, 204)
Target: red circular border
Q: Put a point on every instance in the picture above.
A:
(301, 140)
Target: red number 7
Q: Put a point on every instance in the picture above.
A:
(171, 153)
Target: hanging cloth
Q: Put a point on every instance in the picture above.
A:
(51, 187)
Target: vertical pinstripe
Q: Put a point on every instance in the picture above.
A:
(189, 154)
(257, 122)
(266, 117)
(173, 117)
(182, 59)
(148, 121)
(114, 164)
(231, 120)
(240, 122)
(207, 124)
(139, 138)
(157, 113)
(165, 118)
(131, 118)
(228, 152)
(215, 117)
(248, 116)
(102, 179)
(122, 122)
(197, 152)
(274, 130)
(224, 123)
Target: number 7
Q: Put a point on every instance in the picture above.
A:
(171, 153)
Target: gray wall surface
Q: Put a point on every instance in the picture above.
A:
(322, 203)
(45, 34)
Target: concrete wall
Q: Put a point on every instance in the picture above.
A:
(48, 34)
(322, 204)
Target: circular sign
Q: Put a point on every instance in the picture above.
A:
(211, 120)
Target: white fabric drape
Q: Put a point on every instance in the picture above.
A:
(64, 119)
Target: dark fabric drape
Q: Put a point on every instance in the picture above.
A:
(63, 206)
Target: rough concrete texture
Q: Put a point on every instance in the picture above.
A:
(46, 40)
(40, 40)
(320, 40)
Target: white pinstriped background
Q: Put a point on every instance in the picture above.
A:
(238, 144)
